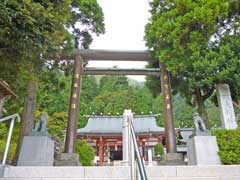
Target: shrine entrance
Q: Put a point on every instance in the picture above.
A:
(81, 57)
(116, 154)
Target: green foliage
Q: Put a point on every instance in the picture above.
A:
(182, 112)
(57, 123)
(53, 98)
(158, 150)
(113, 83)
(32, 32)
(89, 91)
(186, 27)
(213, 114)
(40, 26)
(86, 152)
(157, 108)
(3, 138)
(29, 27)
(90, 14)
(198, 41)
(115, 95)
(229, 146)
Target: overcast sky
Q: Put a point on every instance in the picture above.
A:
(124, 24)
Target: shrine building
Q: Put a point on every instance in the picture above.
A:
(104, 133)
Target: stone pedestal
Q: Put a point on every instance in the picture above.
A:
(67, 159)
(226, 107)
(171, 159)
(203, 150)
(36, 151)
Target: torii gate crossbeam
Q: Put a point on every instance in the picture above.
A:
(118, 71)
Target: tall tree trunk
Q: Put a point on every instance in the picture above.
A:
(28, 114)
(200, 106)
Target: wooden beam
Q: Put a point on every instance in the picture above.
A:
(117, 71)
(111, 55)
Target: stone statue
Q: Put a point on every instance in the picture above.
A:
(41, 125)
(199, 123)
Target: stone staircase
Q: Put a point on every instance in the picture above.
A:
(120, 173)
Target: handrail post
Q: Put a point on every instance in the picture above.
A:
(126, 141)
(8, 141)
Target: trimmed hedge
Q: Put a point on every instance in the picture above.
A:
(86, 152)
(229, 145)
(158, 150)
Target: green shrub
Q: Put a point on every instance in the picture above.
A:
(158, 150)
(229, 145)
(86, 152)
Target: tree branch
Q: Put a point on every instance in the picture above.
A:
(208, 94)
(236, 105)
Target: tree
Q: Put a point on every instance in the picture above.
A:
(115, 95)
(184, 35)
(28, 30)
(33, 32)
(36, 30)
(113, 83)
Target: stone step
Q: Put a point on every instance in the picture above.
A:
(122, 173)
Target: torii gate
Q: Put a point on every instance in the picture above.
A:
(112, 55)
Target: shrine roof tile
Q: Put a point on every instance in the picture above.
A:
(113, 125)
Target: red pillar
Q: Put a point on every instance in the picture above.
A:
(101, 152)
(143, 151)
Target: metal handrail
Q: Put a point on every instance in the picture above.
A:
(133, 148)
(12, 118)
(139, 159)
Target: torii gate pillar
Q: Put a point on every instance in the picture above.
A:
(74, 105)
(167, 110)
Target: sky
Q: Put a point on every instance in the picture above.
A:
(124, 23)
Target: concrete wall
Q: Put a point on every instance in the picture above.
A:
(122, 173)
